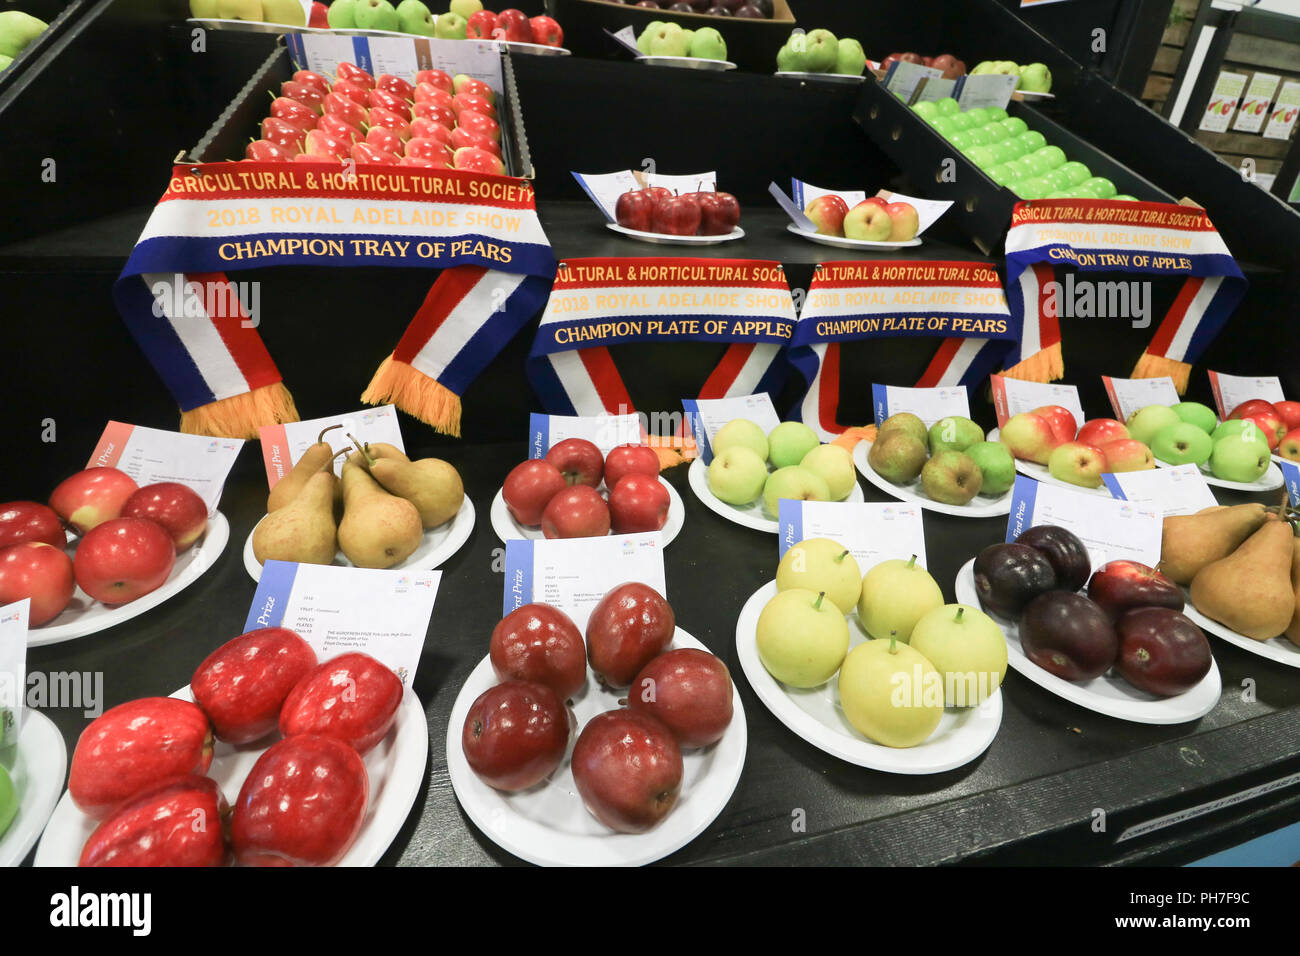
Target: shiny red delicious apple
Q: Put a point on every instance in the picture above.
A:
(354, 74)
(136, 745)
(294, 112)
(529, 488)
(472, 103)
(719, 214)
(1064, 552)
(30, 521)
(312, 79)
(461, 138)
(635, 210)
(546, 31)
(283, 133)
(1290, 413)
(352, 698)
(676, 216)
(540, 643)
(689, 691)
(436, 112)
(628, 769)
(302, 804)
(633, 459)
(261, 151)
(1121, 586)
(91, 497)
(242, 685)
(403, 89)
(1068, 635)
(516, 25)
(628, 627)
(438, 78)
(1161, 651)
(177, 822)
(515, 734)
(124, 559)
(1255, 406)
(305, 94)
(399, 123)
(1009, 576)
(338, 129)
(576, 512)
(177, 507)
(579, 461)
(430, 150)
(480, 124)
(638, 503)
(481, 25)
(354, 91)
(428, 93)
(388, 101)
(40, 573)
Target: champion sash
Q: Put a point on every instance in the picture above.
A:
(866, 300)
(198, 330)
(1105, 235)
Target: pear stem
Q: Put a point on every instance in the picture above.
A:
(321, 437)
(361, 451)
(817, 604)
(911, 562)
(960, 609)
(844, 555)
(893, 642)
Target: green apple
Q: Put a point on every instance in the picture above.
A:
(250, 10)
(447, 26)
(669, 39)
(1202, 416)
(1144, 424)
(18, 29)
(740, 431)
(8, 800)
(821, 52)
(342, 14)
(850, 59)
(926, 109)
(967, 648)
(895, 595)
(288, 12)
(1099, 186)
(381, 15)
(5, 61)
(820, 564)
(951, 478)
(643, 41)
(1235, 426)
(706, 43)
(1240, 457)
(947, 106)
(909, 423)
(414, 17)
(203, 9)
(787, 58)
(954, 433)
(1035, 78)
(465, 8)
(788, 442)
(737, 475)
(897, 456)
(1182, 444)
(1077, 173)
(834, 465)
(890, 693)
(802, 637)
(982, 68)
(1006, 67)
(996, 466)
(795, 483)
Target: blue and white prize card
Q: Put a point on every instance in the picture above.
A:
(872, 531)
(708, 415)
(1291, 478)
(606, 432)
(1111, 529)
(1177, 490)
(927, 404)
(339, 610)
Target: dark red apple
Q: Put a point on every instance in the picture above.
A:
(538, 642)
(1064, 552)
(576, 512)
(676, 216)
(123, 559)
(579, 461)
(242, 685)
(529, 488)
(638, 503)
(1068, 635)
(302, 804)
(91, 497)
(175, 506)
(689, 691)
(1120, 586)
(515, 734)
(628, 769)
(628, 627)
(30, 521)
(719, 212)
(352, 698)
(1009, 576)
(1161, 651)
(178, 822)
(40, 573)
(635, 210)
(136, 745)
(632, 459)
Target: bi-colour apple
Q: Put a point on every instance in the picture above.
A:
(92, 496)
(868, 221)
(175, 506)
(124, 559)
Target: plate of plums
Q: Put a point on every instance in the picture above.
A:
(1113, 639)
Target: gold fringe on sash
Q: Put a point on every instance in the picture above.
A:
(1157, 366)
(240, 416)
(1045, 365)
(416, 394)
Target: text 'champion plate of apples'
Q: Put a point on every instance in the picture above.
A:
(548, 824)
(865, 701)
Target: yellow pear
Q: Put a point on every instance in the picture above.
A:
(378, 530)
(316, 458)
(1293, 629)
(1190, 542)
(381, 449)
(431, 484)
(302, 530)
(1250, 590)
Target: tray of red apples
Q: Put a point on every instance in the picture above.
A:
(1113, 640)
(578, 492)
(323, 761)
(656, 214)
(436, 122)
(103, 550)
(617, 768)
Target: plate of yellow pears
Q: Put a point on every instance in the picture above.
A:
(382, 511)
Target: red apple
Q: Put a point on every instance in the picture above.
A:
(384, 139)
(438, 78)
(177, 822)
(437, 113)
(302, 804)
(478, 160)
(327, 146)
(1099, 431)
(397, 122)
(479, 123)
(352, 698)
(340, 129)
(1062, 421)
(388, 101)
(1161, 651)
(1252, 407)
(1127, 454)
(677, 216)
(516, 26)
(1029, 437)
(689, 691)
(579, 461)
(421, 162)
(286, 109)
(1121, 586)
(354, 74)
(1068, 635)
(538, 642)
(39, 572)
(242, 685)
(1271, 424)
(136, 745)
(354, 91)
(1289, 446)
(546, 31)
(307, 95)
(261, 151)
(827, 214)
(176, 507)
(424, 128)
(529, 488)
(429, 151)
(30, 521)
(367, 155)
(470, 103)
(719, 214)
(315, 80)
(638, 503)
(904, 221)
(346, 109)
(124, 559)
(319, 18)
(1290, 413)
(628, 627)
(288, 135)
(577, 511)
(481, 25)
(434, 96)
(635, 210)
(91, 497)
(628, 769)
(389, 83)
(461, 138)
(515, 734)
(631, 459)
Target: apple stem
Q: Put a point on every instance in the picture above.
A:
(844, 555)
(321, 437)
(893, 642)
(911, 562)
(960, 611)
(817, 604)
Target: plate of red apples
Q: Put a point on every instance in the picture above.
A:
(873, 224)
(656, 214)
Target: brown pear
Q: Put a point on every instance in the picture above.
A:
(303, 530)
(381, 449)
(1250, 590)
(1293, 629)
(378, 530)
(1190, 542)
(431, 484)
(316, 458)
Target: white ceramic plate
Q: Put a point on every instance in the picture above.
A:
(821, 77)
(667, 240)
(754, 515)
(548, 824)
(841, 242)
(1109, 694)
(84, 615)
(1035, 97)
(1267, 482)
(1275, 649)
(1033, 469)
(40, 763)
(816, 716)
(438, 545)
(395, 767)
(981, 506)
(689, 62)
(508, 529)
(535, 49)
